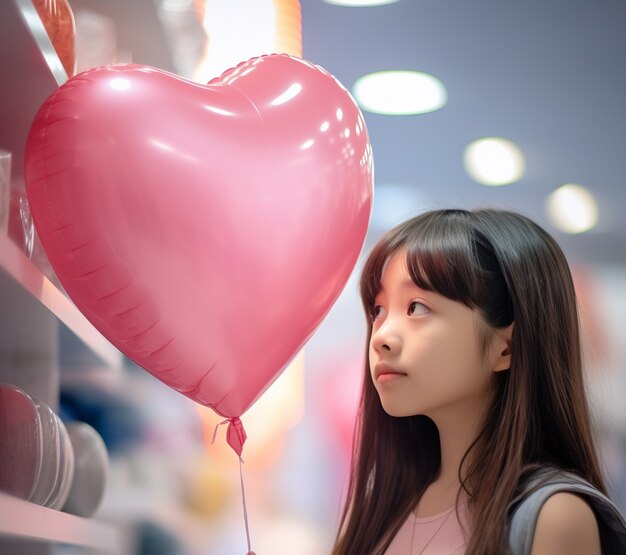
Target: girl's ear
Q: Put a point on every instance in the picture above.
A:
(502, 348)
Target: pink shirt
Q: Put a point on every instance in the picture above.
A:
(439, 534)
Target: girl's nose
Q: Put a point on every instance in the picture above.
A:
(386, 339)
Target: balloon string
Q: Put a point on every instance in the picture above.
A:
(245, 510)
(243, 491)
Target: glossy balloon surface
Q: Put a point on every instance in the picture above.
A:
(205, 230)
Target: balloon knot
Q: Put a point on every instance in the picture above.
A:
(235, 435)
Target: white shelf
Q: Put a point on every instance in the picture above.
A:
(17, 268)
(31, 306)
(21, 519)
(33, 71)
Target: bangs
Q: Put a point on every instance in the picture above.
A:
(440, 257)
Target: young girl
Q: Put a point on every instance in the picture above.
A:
(473, 382)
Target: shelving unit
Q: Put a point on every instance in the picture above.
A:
(22, 519)
(15, 266)
(30, 70)
(32, 308)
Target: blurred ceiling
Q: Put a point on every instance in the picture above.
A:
(550, 76)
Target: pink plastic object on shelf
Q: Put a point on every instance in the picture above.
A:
(36, 455)
(5, 189)
(21, 441)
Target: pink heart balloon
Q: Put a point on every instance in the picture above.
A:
(204, 230)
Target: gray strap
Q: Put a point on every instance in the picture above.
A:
(524, 519)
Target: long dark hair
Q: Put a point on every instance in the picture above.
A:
(511, 270)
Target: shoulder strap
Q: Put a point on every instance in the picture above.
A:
(545, 483)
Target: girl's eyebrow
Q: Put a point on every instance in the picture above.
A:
(406, 284)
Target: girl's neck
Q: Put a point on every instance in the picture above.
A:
(458, 427)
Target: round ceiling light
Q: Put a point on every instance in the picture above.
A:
(399, 92)
(572, 208)
(493, 161)
(360, 3)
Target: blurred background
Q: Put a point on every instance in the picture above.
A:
(467, 104)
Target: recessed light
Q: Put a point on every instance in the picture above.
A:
(493, 161)
(572, 208)
(399, 92)
(360, 3)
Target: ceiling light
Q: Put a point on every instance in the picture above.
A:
(399, 92)
(572, 208)
(360, 3)
(238, 30)
(493, 161)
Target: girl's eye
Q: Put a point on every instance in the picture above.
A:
(376, 312)
(417, 306)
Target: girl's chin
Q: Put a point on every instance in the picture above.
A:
(398, 411)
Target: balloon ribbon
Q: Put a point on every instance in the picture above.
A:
(236, 437)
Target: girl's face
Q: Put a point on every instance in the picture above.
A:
(433, 344)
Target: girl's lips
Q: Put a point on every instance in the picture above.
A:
(386, 373)
(391, 376)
